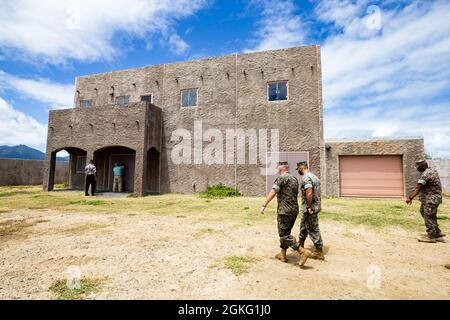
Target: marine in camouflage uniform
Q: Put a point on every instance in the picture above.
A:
(285, 188)
(430, 189)
(310, 220)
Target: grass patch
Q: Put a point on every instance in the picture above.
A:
(85, 227)
(88, 202)
(11, 227)
(220, 191)
(88, 286)
(239, 264)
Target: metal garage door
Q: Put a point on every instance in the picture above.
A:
(371, 176)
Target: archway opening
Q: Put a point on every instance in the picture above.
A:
(66, 169)
(106, 158)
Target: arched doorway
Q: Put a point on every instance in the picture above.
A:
(105, 158)
(152, 185)
(76, 164)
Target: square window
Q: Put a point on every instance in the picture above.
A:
(147, 97)
(122, 99)
(81, 163)
(86, 103)
(277, 91)
(189, 98)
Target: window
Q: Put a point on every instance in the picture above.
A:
(277, 91)
(147, 97)
(189, 98)
(86, 103)
(81, 163)
(122, 99)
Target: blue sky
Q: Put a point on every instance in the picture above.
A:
(386, 64)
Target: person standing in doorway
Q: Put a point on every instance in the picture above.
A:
(91, 172)
(118, 172)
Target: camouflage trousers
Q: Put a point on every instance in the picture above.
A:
(310, 226)
(285, 224)
(429, 215)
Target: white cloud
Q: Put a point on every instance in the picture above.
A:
(19, 128)
(388, 82)
(279, 27)
(55, 31)
(55, 95)
(177, 45)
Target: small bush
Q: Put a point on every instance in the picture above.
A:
(88, 286)
(220, 191)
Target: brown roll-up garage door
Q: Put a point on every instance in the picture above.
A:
(371, 176)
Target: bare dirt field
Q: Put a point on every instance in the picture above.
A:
(188, 247)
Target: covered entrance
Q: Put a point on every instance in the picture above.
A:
(105, 159)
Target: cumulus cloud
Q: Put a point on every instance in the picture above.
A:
(19, 128)
(279, 27)
(386, 69)
(54, 95)
(55, 31)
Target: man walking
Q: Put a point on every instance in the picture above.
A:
(311, 206)
(430, 189)
(118, 172)
(91, 172)
(286, 189)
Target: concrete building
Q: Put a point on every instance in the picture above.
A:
(180, 127)
(134, 116)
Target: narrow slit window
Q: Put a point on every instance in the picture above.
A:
(86, 103)
(147, 97)
(189, 98)
(122, 99)
(277, 91)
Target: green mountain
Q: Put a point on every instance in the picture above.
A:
(24, 152)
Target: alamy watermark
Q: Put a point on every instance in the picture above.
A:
(230, 146)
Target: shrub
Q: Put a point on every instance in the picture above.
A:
(219, 191)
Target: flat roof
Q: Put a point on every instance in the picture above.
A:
(374, 139)
(201, 59)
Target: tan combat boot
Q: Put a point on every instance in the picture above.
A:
(281, 256)
(304, 255)
(318, 254)
(426, 238)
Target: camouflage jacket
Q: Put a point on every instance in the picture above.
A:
(431, 192)
(310, 180)
(286, 187)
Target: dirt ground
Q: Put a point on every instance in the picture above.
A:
(182, 257)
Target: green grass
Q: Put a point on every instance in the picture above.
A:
(242, 211)
(239, 264)
(88, 286)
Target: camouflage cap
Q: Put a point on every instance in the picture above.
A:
(421, 161)
(302, 163)
(283, 163)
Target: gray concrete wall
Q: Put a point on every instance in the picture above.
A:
(443, 168)
(411, 150)
(29, 172)
(232, 94)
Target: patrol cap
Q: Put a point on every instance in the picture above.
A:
(283, 163)
(302, 163)
(421, 161)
